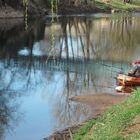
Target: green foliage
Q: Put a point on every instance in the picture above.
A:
(101, 5)
(52, 21)
(136, 2)
(25, 7)
(111, 125)
(82, 131)
(117, 5)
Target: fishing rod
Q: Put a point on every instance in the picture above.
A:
(120, 70)
(111, 66)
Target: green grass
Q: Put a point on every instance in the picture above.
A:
(83, 131)
(118, 5)
(136, 2)
(111, 125)
(102, 5)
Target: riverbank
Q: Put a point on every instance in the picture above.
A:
(106, 6)
(98, 104)
(120, 122)
(36, 9)
(17, 10)
(10, 12)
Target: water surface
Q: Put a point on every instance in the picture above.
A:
(42, 67)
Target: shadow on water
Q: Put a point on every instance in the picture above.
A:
(88, 53)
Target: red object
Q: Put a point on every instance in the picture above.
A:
(136, 62)
(125, 89)
(125, 80)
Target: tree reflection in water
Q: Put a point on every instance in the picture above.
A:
(88, 52)
(9, 115)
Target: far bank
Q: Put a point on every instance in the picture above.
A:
(35, 8)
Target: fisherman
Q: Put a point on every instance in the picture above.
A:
(137, 62)
(135, 70)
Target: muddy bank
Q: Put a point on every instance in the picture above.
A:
(65, 134)
(33, 10)
(82, 9)
(42, 8)
(98, 104)
(10, 10)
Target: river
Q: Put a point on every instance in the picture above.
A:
(42, 64)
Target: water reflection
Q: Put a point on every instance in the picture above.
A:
(87, 54)
(9, 114)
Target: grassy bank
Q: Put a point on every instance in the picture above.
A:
(118, 5)
(98, 6)
(121, 122)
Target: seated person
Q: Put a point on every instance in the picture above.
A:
(135, 71)
(137, 62)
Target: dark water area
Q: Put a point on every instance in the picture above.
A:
(40, 68)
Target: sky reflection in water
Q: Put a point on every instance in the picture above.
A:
(37, 79)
